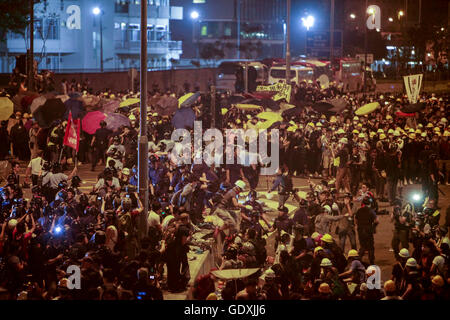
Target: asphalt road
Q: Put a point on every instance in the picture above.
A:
(384, 256)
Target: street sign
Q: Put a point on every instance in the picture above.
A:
(360, 56)
(318, 43)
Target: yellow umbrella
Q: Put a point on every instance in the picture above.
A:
(6, 108)
(184, 98)
(368, 108)
(249, 107)
(129, 102)
(270, 116)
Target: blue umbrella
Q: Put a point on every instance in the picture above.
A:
(76, 107)
(183, 118)
(189, 102)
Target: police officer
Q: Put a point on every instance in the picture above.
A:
(366, 220)
(403, 221)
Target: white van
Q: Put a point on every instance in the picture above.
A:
(298, 74)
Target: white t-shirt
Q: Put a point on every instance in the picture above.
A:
(36, 165)
(153, 219)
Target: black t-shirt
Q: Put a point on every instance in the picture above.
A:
(101, 136)
(365, 217)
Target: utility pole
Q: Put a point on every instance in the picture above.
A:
(213, 106)
(332, 32)
(30, 71)
(288, 42)
(365, 46)
(238, 29)
(101, 43)
(143, 140)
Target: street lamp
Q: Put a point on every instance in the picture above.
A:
(194, 16)
(390, 19)
(98, 12)
(308, 22)
(400, 14)
(352, 16)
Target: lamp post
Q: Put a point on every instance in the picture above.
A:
(98, 12)
(288, 40)
(194, 16)
(308, 22)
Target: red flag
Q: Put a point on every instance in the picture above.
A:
(72, 136)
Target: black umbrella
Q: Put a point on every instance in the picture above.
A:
(416, 107)
(322, 106)
(235, 99)
(271, 104)
(51, 110)
(339, 105)
(292, 112)
(167, 106)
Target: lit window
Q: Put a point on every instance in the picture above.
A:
(116, 25)
(204, 31)
(123, 26)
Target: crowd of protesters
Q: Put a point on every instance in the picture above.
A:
(357, 162)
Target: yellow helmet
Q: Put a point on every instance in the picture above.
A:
(359, 125)
(437, 133)
(437, 129)
(372, 133)
(418, 131)
(391, 131)
(310, 124)
(318, 248)
(333, 119)
(446, 133)
(412, 136)
(340, 131)
(327, 238)
(430, 125)
(318, 124)
(388, 117)
(355, 118)
(323, 117)
(411, 130)
(355, 131)
(352, 253)
(382, 136)
(380, 131)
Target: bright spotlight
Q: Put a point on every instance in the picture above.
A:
(371, 11)
(58, 230)
(416, 197)
(401, 13)
(390, 19)
(194, 15)
(96, 11)
(308, 22)
(352, 16)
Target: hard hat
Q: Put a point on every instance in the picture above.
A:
(352, 253)
(359, 125)
(389, 286)
(324, 288)
(382, 136)
(411, 263)
(327, 208)
(323, 117)
(343, 140)
(404, 253)
(361, 135)
(412, 136)
(318, 124)
(411, 130)
(316, 249)
(326, 263)
(355, 131)
(396, 133)
(333, 119)
(391, 131)
(310, 124)
(126, 171)
(420, 126)
(240, 184)
(423, 134)
(430, 125)
(418, 131)
(446, 240)
(340, 131)
(327, 238)
(355, 118)
(437, 129)
(437, 133)
(315, 235)
(446, 133)
(372, 133)
(12, 224)
(438, 281)
(132, 117)
(380, 131)
(444, 120)
(388, 117)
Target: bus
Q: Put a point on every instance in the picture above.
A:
(226, 73)
(298, 74)
(349, 74)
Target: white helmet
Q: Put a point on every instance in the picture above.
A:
(404, 253)
(240, 184)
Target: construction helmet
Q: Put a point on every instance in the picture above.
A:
(240, 184)
(412, 136)
(388, 117)
(324, 288)
(340, 131)
(316, 249)
(326, 263)
(396, 133)
(372, 134)
(352, 253)
(404, 253)
(380, 131)
(355, 131)
(333, 119)
(318, 124)
(418, 131)
(382, 136)
(355, 118)
(315, 235)
(423, 134)
(430, 125)
(411, 130)
(327, 238)
(361, 135)
(438, 281)
(411, 262)
(391, 131)
(446, 133)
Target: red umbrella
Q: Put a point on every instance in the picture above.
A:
(403, 114)
(91, 121)
(260, 95)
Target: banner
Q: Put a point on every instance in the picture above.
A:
(72, 136)
(283, 91)
(413, 83)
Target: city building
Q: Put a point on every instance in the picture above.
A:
(67, 35)
(260, 24)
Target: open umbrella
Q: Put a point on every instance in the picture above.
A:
(339, 105)
(292, 112)
(235, 99)
(129, 102)
(416, 107)
(110, 106)
(322, 106)
(188, 99)
(248, 107)
(91, 121)
(183, 118)
(37, 102)
(367, 108)
(260, 95)
(234, 274)
(166, 106)
(269, 116)
(90, 100)
(116, 120)
(76, 107)
(51, 110)
(6, 108)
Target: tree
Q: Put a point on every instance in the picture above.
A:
(14, 17)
